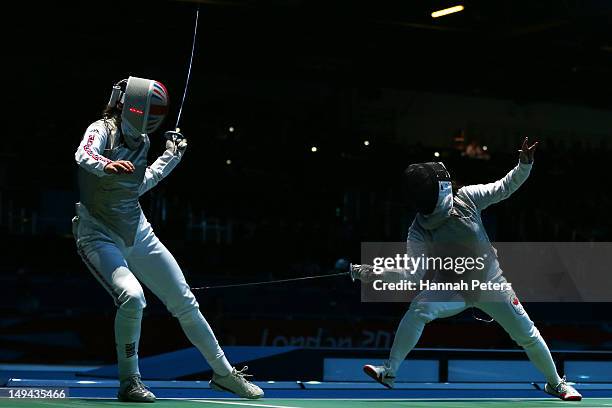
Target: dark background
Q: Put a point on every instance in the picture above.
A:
(289, 75)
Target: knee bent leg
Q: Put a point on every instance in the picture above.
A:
(131, 299)
(190, 316)
(183, 305)
(132, 302)
(423, 312)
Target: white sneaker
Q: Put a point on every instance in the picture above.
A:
(563, 390)
(236, 383)
(381, 374)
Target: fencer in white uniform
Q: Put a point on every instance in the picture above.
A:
(444, 218)
(117, 243)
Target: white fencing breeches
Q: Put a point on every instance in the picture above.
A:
(120, 268)
(505, 310)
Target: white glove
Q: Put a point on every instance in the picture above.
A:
(363, 272)
(176, 143)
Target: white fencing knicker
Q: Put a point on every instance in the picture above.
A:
(119, 268)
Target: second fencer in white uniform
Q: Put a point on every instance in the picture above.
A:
(445, 217)
(117, 243)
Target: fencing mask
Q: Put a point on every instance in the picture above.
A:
(427, 184)
(145, 104)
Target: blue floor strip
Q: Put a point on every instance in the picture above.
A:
(188, 361)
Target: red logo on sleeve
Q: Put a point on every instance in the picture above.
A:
(94, 156)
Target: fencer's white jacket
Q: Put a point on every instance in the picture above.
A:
(456, 221)
(112, 199)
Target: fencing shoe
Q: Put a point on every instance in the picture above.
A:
(236, 383)
(563, 390)
(132, 389)
(381, 374)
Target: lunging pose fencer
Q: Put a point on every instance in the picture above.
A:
(117, 243)
(446, 217)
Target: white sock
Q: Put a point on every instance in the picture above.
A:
(540, 356)
(201, 335)
(127, 336)
(406, 337)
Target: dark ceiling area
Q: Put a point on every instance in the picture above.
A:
(525, 50)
